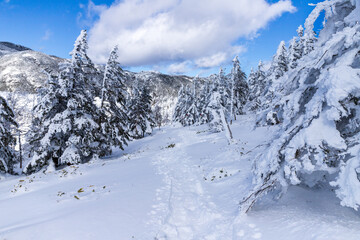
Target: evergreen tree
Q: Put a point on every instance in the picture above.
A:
(299, 46)
(202, 104)
(309, 40)
(317, 142)
(66, 129)
(239, 89)
(186, 110)
(140, 114)
(217, 111)
(293, 52)
(225, 92)
(280, 61)
(192, 114)
(7, 141)
(113, 120)
(300, 31)
(158, 118)
(252, 81)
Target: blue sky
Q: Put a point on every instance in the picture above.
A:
(52, 27)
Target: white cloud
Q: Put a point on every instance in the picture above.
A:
(156, 31)
(47, 35)
(89, 13)
(179, 68)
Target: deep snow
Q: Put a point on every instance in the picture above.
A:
(179, 183)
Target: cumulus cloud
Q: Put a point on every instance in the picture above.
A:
(157, 31)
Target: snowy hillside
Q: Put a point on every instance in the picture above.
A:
(23, 72)
(180, 183)
(6, 48)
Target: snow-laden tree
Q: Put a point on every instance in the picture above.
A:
(191, 112)
(273, 83)
(255, 90)
(217, 111)
(83, 63)
(293, 54)
(113, 118)
(238, 89)
(8, 156)
(252, 82)
(203, 102)
(179, 105)
(259, 89)
(318, 141)
(65, 128)
(141, 119)
(280, 61)
(309, 40)
(300, 31)
(187, 107)
(296, 48)
(158, 118)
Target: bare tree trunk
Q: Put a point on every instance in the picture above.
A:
(20, 149)
(230, 132)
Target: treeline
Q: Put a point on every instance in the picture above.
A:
(216, 100)
(82, 114)
(219, 98)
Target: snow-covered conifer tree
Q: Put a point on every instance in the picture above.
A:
(202, 104)
(239, 89)
(7, 141)
(140, 114)
(293, 53)
(66, 129)
(158, 118)
(280, 62)
(257, 88)
(309, 40)
(113, 120)
(217, 111)
(318, 140)
(191, 114)
(180, 104)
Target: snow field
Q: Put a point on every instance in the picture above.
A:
(179, 183)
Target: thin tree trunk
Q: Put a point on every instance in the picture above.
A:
(20, 149)
(228, 132)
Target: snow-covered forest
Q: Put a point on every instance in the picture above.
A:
(97, 152)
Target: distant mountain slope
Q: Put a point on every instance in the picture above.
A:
(23, 72)
(22, 69)
(7, 47)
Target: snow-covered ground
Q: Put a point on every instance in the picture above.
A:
(179, 183)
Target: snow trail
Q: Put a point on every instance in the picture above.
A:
(190, 212)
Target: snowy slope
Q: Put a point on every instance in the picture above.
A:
(7, 47)
(24, 71)
(180, 183)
